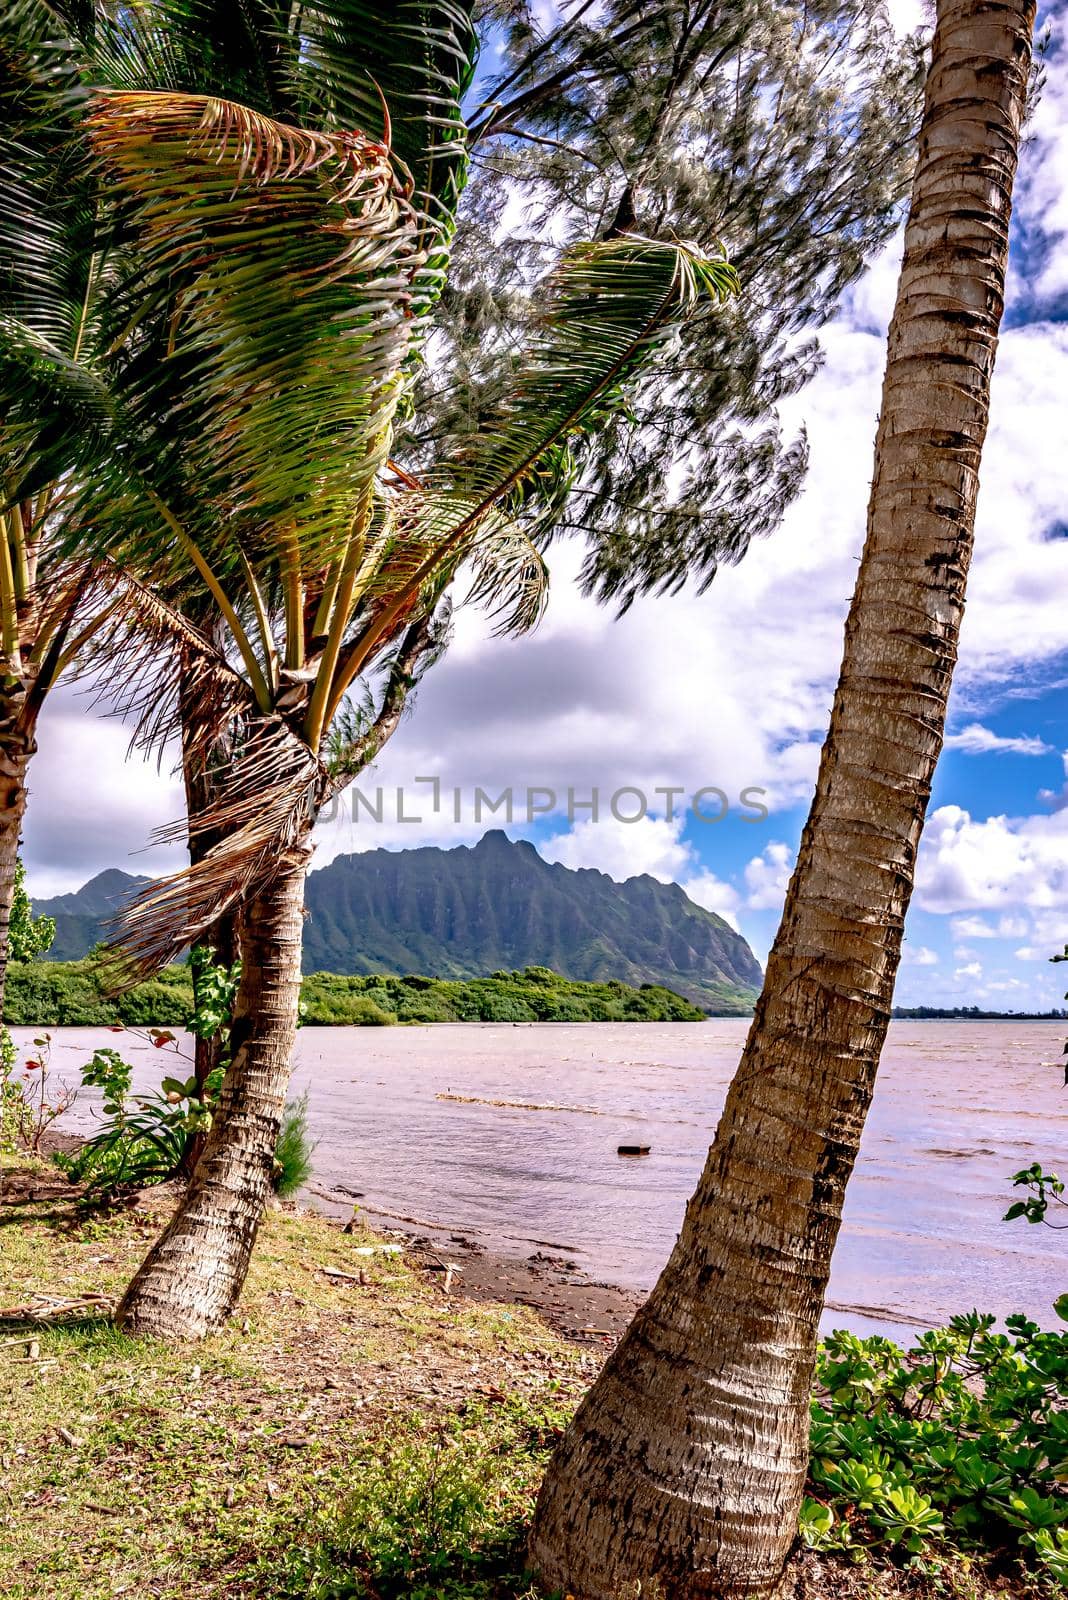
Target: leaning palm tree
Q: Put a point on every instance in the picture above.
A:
(280, 277)
(683, 1471)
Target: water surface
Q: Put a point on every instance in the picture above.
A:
(402, 1117)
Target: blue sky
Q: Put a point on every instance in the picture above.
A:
(733, 688)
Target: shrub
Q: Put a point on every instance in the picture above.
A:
(426, 1007)
(294, 1150)
(965, 1436)
(354, 1010)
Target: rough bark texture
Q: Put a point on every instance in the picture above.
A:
(190, 1281)
(683, 1471)
(200, 791)
(17, 747)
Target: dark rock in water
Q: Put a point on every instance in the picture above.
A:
(634, 1149)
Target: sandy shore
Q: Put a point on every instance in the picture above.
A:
(548, 1282)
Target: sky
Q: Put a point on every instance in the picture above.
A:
(721, 700)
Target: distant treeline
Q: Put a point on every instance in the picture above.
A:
(52, 994)
(973, 1014)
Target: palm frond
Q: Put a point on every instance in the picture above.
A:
(133, 643)
(264, 811)
(399, 74)
(281, 263)
(58, 413)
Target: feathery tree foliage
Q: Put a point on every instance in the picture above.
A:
(783, 132)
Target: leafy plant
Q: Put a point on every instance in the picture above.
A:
(964, 1436)
(12, 1100)
(214, 989)
(27, 936)
(1046, 1191)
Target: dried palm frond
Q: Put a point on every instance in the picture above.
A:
(264, 810)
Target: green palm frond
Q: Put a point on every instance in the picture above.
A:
(47, 395)
(58, 413)
(359, 67)
(281, 262)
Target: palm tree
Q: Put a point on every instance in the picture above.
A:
(54, 405)
(267, 328)
(683, 1470)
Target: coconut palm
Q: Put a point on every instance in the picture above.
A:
(278, 267)
(54, 404)
(683, 1470)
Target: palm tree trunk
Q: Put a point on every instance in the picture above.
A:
(191, 1279)
(200, 790)
(683, 1470)
(17, 747)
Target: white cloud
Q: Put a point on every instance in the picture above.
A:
(767, 877)
(972, 970)
(623, 850)
(972, 928)
(975, 740)
(919, 956)
(705, 889)
(1001, 862)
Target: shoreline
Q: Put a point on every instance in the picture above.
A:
(548, 1283)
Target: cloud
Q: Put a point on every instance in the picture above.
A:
(623, 850)
(705, 889)
(972, 970)
(972, 928)
(919, 956)
(967, 864)
(975, 740)
(92, 805)
(767, 877)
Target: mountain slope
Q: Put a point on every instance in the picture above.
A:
(466, 912)
(81, 916)
(461, 912)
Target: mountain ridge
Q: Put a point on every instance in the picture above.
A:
(474, 909)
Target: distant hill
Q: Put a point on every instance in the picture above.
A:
(497, 905)
(80, 916)
(469, 911)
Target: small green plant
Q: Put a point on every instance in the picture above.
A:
(13, 1106)
(27, 936)
(963, 1438)
(294, 1150)
(214, 989)
(1046, 1191)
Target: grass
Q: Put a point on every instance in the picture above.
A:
(250, 1465)
(361, 1436)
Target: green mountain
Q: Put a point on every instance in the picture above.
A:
(81, 917)
(497, 905)
(466, 912)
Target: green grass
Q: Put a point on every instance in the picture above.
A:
(356, 1437)
(269, 1461)
(49, 994)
